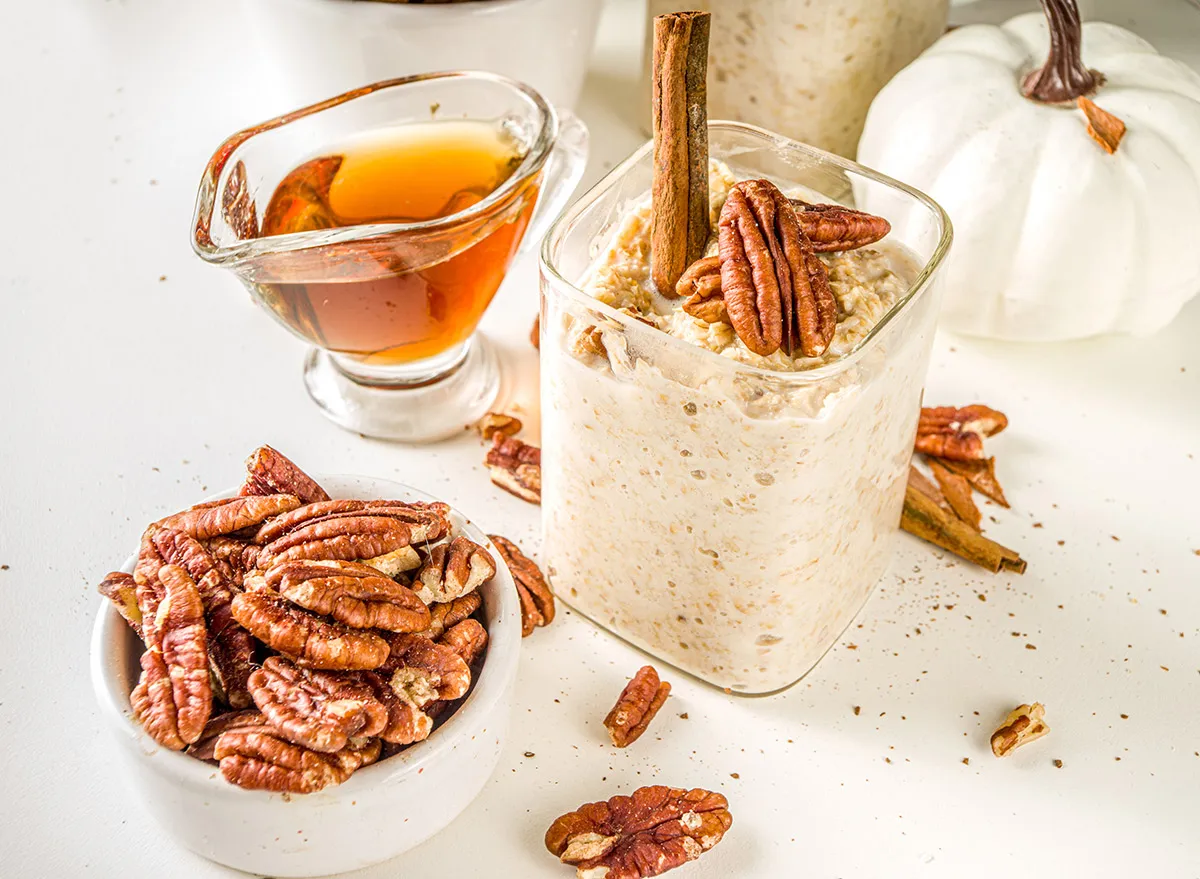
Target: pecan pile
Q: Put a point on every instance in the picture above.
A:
(293, 638)
(767, 280)
(655, 830)
(943, 510)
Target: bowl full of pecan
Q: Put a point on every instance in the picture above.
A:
(308, 677)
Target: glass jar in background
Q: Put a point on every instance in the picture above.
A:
(808, 69)
(728, 519)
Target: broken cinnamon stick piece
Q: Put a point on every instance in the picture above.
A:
(957, 491)
(923, 517)
(1105, 128)
(981, 474)
(680, 225)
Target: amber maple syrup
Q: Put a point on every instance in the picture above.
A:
(408, 295)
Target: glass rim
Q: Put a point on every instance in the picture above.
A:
(571, 289)
(206, 196)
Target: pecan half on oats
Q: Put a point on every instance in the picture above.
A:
(269, 472)
(446, 614)
(226, 516)
(121, 589)
(655, 830)
(700, 287)
(467, 638)
(173, 696)
(259, 758)
(776, 289)
(832, 227)
(452, 570)
(957, 434)
(636, 707)
(516, 467)
(498, 423)
(321, 710)
(1024, 724)
(537, 601)
(422, 671)
(355, 594)
(322, 643)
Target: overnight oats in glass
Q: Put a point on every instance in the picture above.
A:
(728, 506)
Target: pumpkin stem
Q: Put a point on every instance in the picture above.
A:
(1063, 77)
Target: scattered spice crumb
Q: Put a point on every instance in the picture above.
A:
(734, 775)
(1114, 537)
(1030, 647)
(857, 708)
(3, 567)
(529, 754)
(1164, 668)
(1057, 764)
(1037, 524)
(1124, 717)
(683, 716)
(889, 759)
(981, 597)
(966, 761)
(851, 646)
(162, 277)
(1118, 759)
(1061, 542)
(1163, 611)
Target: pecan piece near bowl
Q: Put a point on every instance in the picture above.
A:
(270, 472)
(957, 434)
(173, 696)
(121, 589)
(452, 570)
(221, 517)
(321, 643)
(832, 227)
(776, 288)
(516, 467)
(355, 594)
(259, 758)
(636, 707)
(537, 601)
(321, 710)
(1024, 724)
(655, 830)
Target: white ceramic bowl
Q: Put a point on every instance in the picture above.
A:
(380, 812)
(320, 48)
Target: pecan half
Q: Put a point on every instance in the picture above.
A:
(636, 707)
(467, 638)
(700, 286)
(226, 516)
(425, 523)
(230, 647)
(121, 589)
(832, 227)
(537, 601)
(321, 710)
(282, 626)
(202, 748)
(238, 555)
(776, 289)
(259, 758)
(406, 723)
(957, 434)
(269, 472)
(444, 615)
(655, 830)
(452, 570)
(357, 595)
(1024, 724)
(346, 538)
(173, 696)
(423, 671)
(149, 559)
(498, 423)
(516, 467)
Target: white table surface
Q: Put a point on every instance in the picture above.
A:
(137, 378)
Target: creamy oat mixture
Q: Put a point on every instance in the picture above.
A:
(729, 520)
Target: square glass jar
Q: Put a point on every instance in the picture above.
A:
(728, 519)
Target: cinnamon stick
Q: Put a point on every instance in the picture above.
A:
(680, 226)
(956, 488)
(926, 519)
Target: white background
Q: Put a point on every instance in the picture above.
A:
(136, 379)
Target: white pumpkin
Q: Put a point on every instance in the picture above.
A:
(1054, 238)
